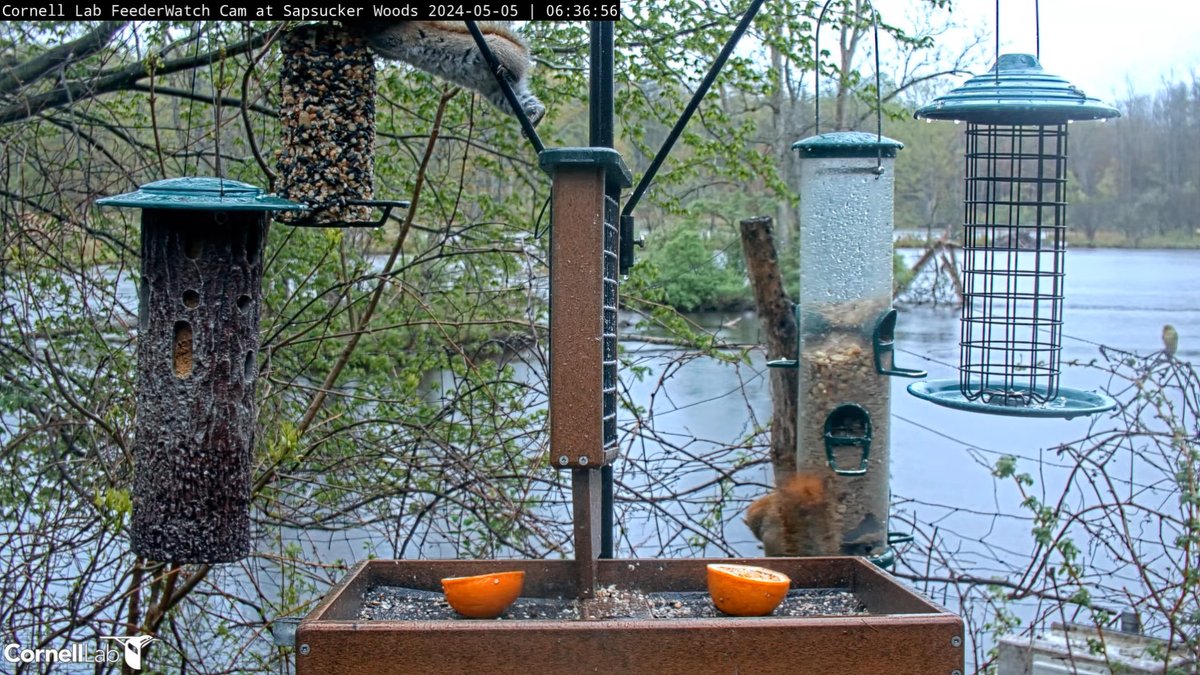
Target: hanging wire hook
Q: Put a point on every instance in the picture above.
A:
(878, 100)
(997, 41)
(1037, 30)
(878, 83)
(817, 67)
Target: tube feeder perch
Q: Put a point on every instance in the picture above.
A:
(1014, 242)
(847, 330)
(197, 362)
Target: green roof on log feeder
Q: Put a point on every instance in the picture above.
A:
(1016, 91)
(207, 193)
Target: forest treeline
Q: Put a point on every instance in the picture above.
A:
(1132, 181)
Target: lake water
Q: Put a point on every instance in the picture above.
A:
(940, 458)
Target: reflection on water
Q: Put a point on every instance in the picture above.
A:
(941, 459)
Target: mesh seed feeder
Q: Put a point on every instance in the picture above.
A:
(1014, 242)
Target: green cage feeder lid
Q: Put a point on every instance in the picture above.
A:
(207, 193)
(1068, 404)
(847, 144)
(1016, 91)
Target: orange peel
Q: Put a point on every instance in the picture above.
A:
(483, 596)
(746, 590)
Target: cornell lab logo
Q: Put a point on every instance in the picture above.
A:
(78, 653)
(133, 647)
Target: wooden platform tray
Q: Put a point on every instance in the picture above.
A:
(899, 633)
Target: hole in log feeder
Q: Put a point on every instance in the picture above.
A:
(243, 302)
(193, 245)
(248, 369)
(191, 299)
(253, 245)
(143, 304)
(183, 349)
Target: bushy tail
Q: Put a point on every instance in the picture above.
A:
(795, 519)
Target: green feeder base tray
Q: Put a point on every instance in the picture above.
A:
(1069, 403)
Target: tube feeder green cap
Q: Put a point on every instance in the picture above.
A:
(201, 193)
(1016, 91)
(848, 144)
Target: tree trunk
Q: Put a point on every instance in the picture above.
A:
(778, 315)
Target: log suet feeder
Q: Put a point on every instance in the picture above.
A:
(199, 301)
(1014, 241)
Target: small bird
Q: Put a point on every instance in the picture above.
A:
(1170, 338)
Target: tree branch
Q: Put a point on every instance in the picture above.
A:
(23, 74)
(119, 79)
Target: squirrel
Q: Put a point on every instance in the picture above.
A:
(447, 49)
(795, 519)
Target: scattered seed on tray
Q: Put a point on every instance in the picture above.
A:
(396, 603)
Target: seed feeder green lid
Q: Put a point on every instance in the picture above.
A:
(1016, 91)
(204, 193)
(848, 144)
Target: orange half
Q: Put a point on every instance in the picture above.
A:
(746, 590)
(484, 596)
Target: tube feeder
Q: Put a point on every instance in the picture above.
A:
(846, 330)
(197, 361)
(327, 117)
(1014, 241)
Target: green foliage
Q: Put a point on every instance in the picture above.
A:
(686, 272)
(398, 403)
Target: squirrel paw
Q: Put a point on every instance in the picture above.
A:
(535, 111)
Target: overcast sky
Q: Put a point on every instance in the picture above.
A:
(1102, 46)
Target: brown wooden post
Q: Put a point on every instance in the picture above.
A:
(197, 356)
(777, 313)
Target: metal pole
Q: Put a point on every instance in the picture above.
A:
(600, 113)
(506, 88)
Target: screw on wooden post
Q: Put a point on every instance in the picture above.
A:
(197, 350)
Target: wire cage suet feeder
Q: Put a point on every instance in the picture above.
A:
(1014, 241)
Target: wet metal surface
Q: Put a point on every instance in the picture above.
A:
(577, 335)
